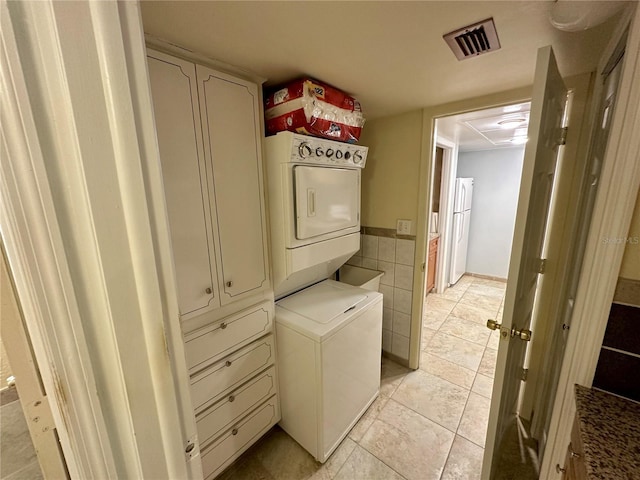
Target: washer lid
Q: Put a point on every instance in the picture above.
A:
(323, 302)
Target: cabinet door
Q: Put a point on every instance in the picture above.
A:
(230, 112)
(175, 104)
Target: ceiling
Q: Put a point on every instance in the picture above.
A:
(389, 54)
(500, 127)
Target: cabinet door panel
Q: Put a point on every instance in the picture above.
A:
(231, 124)
(174, 92)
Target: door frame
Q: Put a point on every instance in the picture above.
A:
(613, 210)
(448, 182)
(118, 391)
(427, 151)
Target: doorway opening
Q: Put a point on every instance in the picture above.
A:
(485, 147)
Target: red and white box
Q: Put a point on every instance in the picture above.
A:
(311, 107)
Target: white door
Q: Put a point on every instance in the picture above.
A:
(175, 105)
(545, 133)
(461, 225)
(230, 112)
(327, 200)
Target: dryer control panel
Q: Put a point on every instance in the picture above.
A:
(318, 151)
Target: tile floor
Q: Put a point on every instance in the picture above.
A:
(426, 424)
(18, 459)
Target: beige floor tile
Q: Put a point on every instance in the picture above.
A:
(283, 457)
(456, 350)
(473, 425)
(452, 293)
(464, 280)
(412, 445)
(360, 428)
(434, 398)
(483, 301)
(449, 371)
(433, 320)
(274, 457)
(486, 290)
(438, 304)
(464, 462)
(474, 313)
(427, 335)
(489, 282)
(338, 458)
(483, 385)
(466, 329)
(494, 340)
(391, 376)
(361, 465)
(488, 363)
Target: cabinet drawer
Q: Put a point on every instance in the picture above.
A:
(236, 440)
(209, 344)
(576, 453)
(232, 407)
(211, 384)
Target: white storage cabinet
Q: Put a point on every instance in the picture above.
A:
(209, 133)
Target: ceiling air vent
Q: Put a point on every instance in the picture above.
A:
(473, 40)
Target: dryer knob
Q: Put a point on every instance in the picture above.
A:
(357, 157)
(347, 155)
(319, 152)
(339, 154)
(304, 150)
(329, 152)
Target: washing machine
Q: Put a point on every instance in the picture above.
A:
(329, 343)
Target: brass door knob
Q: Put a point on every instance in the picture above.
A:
(208, 290)
(229, 284)
(523, 334)
(493, 325)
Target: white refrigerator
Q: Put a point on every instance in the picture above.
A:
(461, 222)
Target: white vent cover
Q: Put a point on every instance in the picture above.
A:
(473, 40)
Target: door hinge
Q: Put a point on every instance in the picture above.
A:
(563, 136)
(525, 374)
(542, 265)
(424, 266)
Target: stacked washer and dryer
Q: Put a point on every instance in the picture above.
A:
(329, 334)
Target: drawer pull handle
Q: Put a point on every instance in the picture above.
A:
(227, 363)
(234, 431)
(229, 284)
(223, 325)
(231, 398)
(209, 291)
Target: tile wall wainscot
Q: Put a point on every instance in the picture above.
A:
(619, 359)
(382, 249)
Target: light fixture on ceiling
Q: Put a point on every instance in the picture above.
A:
(573, 16)
(511, 122)
(519, 140)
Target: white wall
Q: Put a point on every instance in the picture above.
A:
(496, 176)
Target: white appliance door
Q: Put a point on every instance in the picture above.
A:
(327, 200)
(461, 222)
(464, 191)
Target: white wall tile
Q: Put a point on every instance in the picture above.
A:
(402, 300)
(400, 346)
(403, 277)
(405, 250)
(387, 293)
(387, 337)
(387, 319)
(370, 246)
(389, 272)
(371, 263)
(401, 323)
(386, 249)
